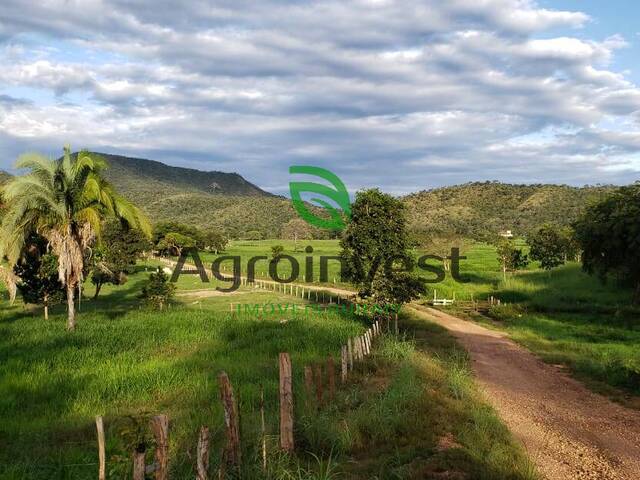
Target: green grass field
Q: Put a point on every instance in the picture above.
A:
(565, 316)
(126, 363)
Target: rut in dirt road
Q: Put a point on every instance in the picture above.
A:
(569, 432)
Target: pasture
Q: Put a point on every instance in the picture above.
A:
(126, 363)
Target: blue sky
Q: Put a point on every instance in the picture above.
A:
(608, 17)
(404, 95)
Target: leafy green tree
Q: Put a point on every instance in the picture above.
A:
(375, 250)
(277, 251)
(254, 235)
(511, 258)
(174, 243)
(572, 248)
(38, 273)
(548, 246)
(66, 201)
(158, 291)
(437, 241)
(117, 253)
(297, 229)
(215, 242)
(161, 230)
(609, 234)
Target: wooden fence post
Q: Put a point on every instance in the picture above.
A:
(264, 430)
(102, 467)
(138, 462)
(344, 363)
(286, 403)
(231, 421)
(350, 352)
(160, 428)
(202, 455)
(331, 373)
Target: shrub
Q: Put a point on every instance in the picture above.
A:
(158, 291)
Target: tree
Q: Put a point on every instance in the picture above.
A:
(277, 251)
(609, 234)
(572, 248)
(161, 230)
(511, 258)
(66, 201)
(174, 243)
(38, 273)
(548, 246)
(297, 229)
(119, 249)
(375, 250)
(254, 235)
(215, 242)
(158, 291)
(440, 242)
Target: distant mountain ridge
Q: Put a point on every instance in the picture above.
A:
(210, 200)
(476, 209)
(228, 203)
(128, 172)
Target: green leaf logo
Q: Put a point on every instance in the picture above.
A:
(338, 194)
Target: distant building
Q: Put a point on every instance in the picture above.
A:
(506, 234)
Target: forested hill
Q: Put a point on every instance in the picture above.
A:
(216, 200)
(481, 209)
(138, 175)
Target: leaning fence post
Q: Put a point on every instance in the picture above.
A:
(344, 363)
(286, 403)
(160, 428)
(203, 454)
(102, 468)
(232, 450)
(350, 352)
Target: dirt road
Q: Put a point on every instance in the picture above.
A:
(569, 432)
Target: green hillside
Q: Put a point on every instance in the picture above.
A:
(152, 179)
(232, 214)
(229, 203)
(475, 209)
(4, 176)
(224, 201)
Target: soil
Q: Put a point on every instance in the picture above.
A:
(569, 432)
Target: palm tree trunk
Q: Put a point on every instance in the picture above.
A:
(71, 308)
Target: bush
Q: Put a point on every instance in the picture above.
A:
(158, 291)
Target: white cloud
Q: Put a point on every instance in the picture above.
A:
(390, 93)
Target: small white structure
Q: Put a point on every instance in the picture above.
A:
(506, 234)
(167, 270)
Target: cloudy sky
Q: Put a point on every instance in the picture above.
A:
(404, 95)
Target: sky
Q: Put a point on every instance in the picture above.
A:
(402, 95)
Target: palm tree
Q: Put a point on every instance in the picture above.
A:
(65, 201)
